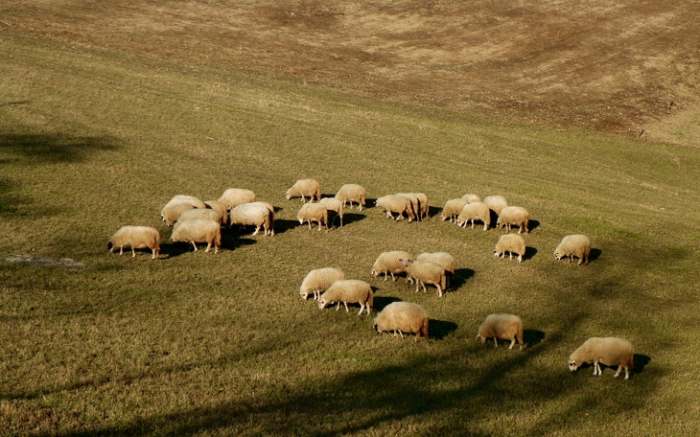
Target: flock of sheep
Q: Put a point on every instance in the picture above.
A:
(194, 221)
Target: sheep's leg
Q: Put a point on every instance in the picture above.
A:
(337, 306)
(393, 278)
(510, 256)
(208, 247)
(121, 250)
(580, 261)
(619, 369)
(346, 307)
(512, 343)
(133, 252)
(417, 286)
(257, 229)
(425, 289)
(520, 258)
(472, 221)
(495, 342)
(362, 307)
(400, 334)
(154, 253)
(194, 245)
(439, 290)
(627, 373)
(486, 227)
(596, 369)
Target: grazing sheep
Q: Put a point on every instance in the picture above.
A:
(254, 214)
(394, 203)
(511, 243)
(443, 259)
(389, 263)
(334, 205)
(172, 211)
(496, 203)
(426, 273)
(305, 188)
(198, 230)
(233, 197)
(265, 204)
(319, 280)
(471, 198)
(206, 213)
(514, 216)
(472, 212)
(403, 317)
(574, 246)
(503, 326)
(313, 212)
(186, 198)
(419, 202)
(611, 351)
(452, 209)
(135, 237)
(220, 209)
(352, 193)
(348, 291)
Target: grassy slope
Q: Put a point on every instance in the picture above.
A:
(92, 140)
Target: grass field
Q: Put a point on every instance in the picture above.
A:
(94, 137)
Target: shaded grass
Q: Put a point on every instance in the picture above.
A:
(200, 343)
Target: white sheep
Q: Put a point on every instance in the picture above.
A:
(198, 230)
(574, 246)
(443, 259)
(205, 213)
(352, 193)
(504, 327)
(186, 198)
(496, 203)
(233, 197)
(419, 202)
(313, 212)
(512, 244)
(471, 198)
(426, 273)
(348, 291)
(403, 317)
(452, 209)
(473, 212)
(172, 211)
(389, 263)
(305, 188)
(610, 351)
(513, 216)
(334, 205)
(220, 209)
(318, 280)
(394, 203)
(135, 237)
(254, 214)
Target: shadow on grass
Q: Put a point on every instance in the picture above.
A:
(15, 103)
(640, 362)
(532, 225)
(459, 278)
(595, 254)
(439, 329)
(530, 253)
(40, 149)
(533, 337)
(433, 211)
(283, 225)
(350, 218)
(380, 302)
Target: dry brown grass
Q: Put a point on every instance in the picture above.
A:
(613, 65)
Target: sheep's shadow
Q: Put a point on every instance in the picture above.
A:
(532, 225)
(15, 103)
(350, 218)
(283, 225)
(459, 278)
(439, 329)
(640, 362)
(173, 250)
(530, 253)
(533, 337)
(433, 211)
(594, 255)
(230, 241)
(370, 202)
(380, 302)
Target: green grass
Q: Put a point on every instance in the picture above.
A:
(91, 140)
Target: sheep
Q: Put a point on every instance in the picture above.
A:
(254, 214)
(172, 211)
(472, 212)
(198, 230)
(503, 326)
(200, 213)
(419, 202)
(352, 193)
(186, 198)
(267, 205)
(471, 198)
(220, 209)
(348, 291)
(313, 212)
(305, 188)
(511, 243)
(389, 263)
(394, 203)
(611, 351)
(135, 237)
(443, 259)
(319, 280)
(452, 209)
(426, 273)
(513, 216)
(403, 317)
(335, 205)
(496, 203)
(233, 197)
(571, 246)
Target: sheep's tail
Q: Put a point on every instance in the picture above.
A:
(424, 331)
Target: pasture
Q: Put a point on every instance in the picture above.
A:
(94, 136)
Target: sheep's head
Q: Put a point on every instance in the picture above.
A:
(289, 194)
(373, 273)
(304, 294)
(375, 325)
(573, 365)
(322, 303)
(557, 255)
